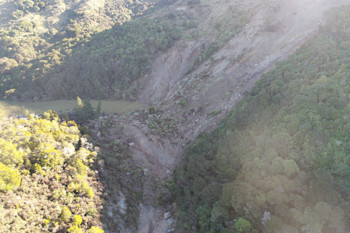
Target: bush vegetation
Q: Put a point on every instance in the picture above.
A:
(30, 5)
(280, 161)
(47, 181)
(84, 112)
(83, 55)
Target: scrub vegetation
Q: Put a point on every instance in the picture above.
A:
(278, 162)
(47, 43)
(47, 177)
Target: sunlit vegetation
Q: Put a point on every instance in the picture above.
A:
(96, 49)
(84, 112)
(25, 6)
(108, 64)
(82, 54)
(47, 179)
(280, 161)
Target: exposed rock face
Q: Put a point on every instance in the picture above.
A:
(151, 221)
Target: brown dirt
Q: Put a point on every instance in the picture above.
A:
(275, 31)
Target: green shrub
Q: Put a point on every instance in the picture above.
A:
(65, 214)
(77, 220)
(48, 156)
(81, 168)
(182, 103)
(48, 151)
(37, 167)
(57, 194)
(75, 229)
(87, 190)
(9, 178)
(95, 230)
(243, 226)
(9, 155)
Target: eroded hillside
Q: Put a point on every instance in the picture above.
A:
(272, 31)
(191, 60)
(279, 162)
(196, 84)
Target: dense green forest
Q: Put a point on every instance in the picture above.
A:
(280, 161)
(96, 43)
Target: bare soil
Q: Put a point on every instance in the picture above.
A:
(275, 31)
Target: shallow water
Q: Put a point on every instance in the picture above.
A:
(110, 106)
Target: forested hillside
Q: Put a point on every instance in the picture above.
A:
(97, 49)
(37, 37)
(277, 159)
(55, 43)
(47, 178)
(279, 162)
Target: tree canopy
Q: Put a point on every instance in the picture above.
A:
(47, 181)
(280, 161)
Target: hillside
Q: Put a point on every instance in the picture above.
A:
(42, 40)
(245, 128)
(47, 177)
(279, 162)
(105, 61)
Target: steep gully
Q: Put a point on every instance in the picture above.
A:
(276, 29)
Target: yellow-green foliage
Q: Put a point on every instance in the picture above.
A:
(57, 177)
(42, 163)
(46, 222)
(82, 188)
(77, 220)
(9, 178)
(243, 226)
(37, 167)
(95, 230)
(75, 229)
(81, 168)
(66, 213)
(57, 194)
(48, 156)
(83, 153)
(87, 191)
(9, 155)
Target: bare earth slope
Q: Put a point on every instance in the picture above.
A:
(197, 99)
(275, 30)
